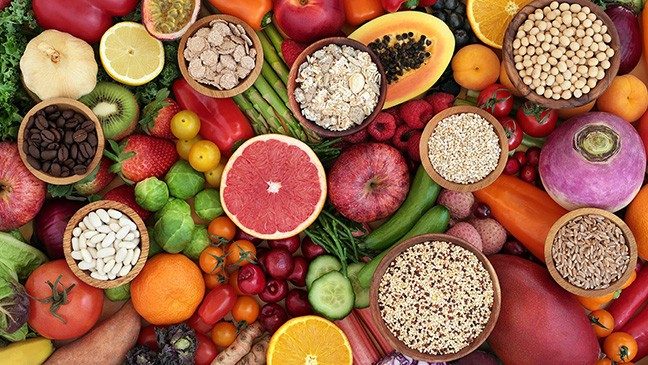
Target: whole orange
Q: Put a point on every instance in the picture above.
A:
(572, 112)
(637, 219)
(505, 80)
(475, 67)
(168, 289)
(626, 97)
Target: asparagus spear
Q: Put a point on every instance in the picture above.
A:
(265, 110)
(275, 82)
(275, 37)
(282, 112)
(258, 123)
(273, 59)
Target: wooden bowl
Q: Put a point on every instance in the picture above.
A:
(85, 275)
(398, 344)
(551, 265)
(527, 91)
(210, 90)
(65, 104)
(424, 149)
(292, 85)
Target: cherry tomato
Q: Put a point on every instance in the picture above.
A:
(221, 229)
(246, 309)
(241, 253)
(183, 146)
(57, 316)
(198, 324)
(496, 99)
(533, 156)
(206, 350)
(214, 280)
(291, 244)
(233, 281)
(620, 347)
(212, 260)
(223, 334)
(513, 131)
(604, 361)
(213, 177)
(185, 124)
(536, 120)
(251, 279)
(602, 322)
(204, 156)
(217, 303)
(148, 338)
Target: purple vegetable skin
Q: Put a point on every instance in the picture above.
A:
(50, 224)
(593, 160)
(627, 25)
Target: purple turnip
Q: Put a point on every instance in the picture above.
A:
(593, 160)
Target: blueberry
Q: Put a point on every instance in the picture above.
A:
(451, 4)
(461, 8)
(461, 38)
(441, 15)
(455, 21)
(438, 5)
(450, 87)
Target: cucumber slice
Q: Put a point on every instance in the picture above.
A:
(361, 293)
(332, 295)
(320, 266)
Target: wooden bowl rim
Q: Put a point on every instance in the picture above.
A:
(64, 103)
(424, 149)
(528, 92)
(551, 265)
(398, 344)
(292, 85)
(83, 274)
(211, 90)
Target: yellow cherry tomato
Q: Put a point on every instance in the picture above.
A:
(185, 124)
(183, 146)
(204, 156)
(213, 177)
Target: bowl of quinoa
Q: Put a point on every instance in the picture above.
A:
(464, 148)
(435, 297)
(336, 87)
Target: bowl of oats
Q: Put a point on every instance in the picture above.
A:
(464, 148)
(435, 297)
(220, 56)
(336, 87)
(590, 252)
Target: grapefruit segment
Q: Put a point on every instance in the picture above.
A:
(273, 187)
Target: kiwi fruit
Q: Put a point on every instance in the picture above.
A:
(116, 107)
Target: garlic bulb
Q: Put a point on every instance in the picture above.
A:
(57, 64)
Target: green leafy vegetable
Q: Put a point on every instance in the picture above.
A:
(199, 242)
(183, 181)
(207, 204)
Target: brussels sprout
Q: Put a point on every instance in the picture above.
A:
(199, 241)
(119, 293)
(183, 181)
(207, 204)
(173, 231)
(151, 194)
(154, 247)
(177, 206)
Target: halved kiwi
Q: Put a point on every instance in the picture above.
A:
(116, 107)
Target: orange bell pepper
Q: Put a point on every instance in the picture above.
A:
(257, 13)
(524, 210)
(359, 11)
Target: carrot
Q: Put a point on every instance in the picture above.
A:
(362, 346)
(106, 344)
(258, 354)
(240, 347)
(364, 315)
(524, 210)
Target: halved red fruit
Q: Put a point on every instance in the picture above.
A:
(169, 19)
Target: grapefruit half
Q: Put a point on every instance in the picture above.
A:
(273, 187)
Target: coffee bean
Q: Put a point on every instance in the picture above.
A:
(92, 139)
(41, 122)
(65, 171)
(48, 155)
(74, 151)
(57, 134)
(71, 124)
(68, 114)
(30, 122)
(25, 148)
(88, 125)
(55, 169)
(60, 122)
(80, 169)
(51, 109)
(33, 162)
(54, 116)
(34, 152)
(80, 136)
(69, 163)
(63, 153)
(47, 136)
(53, 146)
(35, 137)
(68, 139)
(86, 150)
(46, 166)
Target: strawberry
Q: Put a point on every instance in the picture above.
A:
(383, 127)
(416, 113)
(158, 114)
(97, 180)
(290, 50)
(125, 194)
(440, 101)
(413, 146)
(140, 156)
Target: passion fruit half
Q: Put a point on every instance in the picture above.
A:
(169, 19)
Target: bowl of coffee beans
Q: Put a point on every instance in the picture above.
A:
(60, 141)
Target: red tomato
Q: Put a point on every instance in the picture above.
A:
(148, 338)
(536, 120)
(205, 351)
(513, 131)
(78, 310)
(217, 303)
(198, 324)
(496, 99)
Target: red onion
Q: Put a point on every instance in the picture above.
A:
(50, 224)
(627, 26)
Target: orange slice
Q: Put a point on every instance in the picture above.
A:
(309, 340)
(490, 18)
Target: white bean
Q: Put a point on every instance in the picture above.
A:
(130, 236)
(76, 255)
(75, 243)
(76, 232)
(111, 276)
(82, 226)
(136, 255)
(103, 215)
(115, 227)
(120, 256)
(86, 255)
(99, 276)
(136, 233)
(129, 256)
(115, 270)
(129, 244)
(98, 238)
(125, 270)
(89, 234)
(92, 251)
(84, 265)
(94, 219)
(87, 222)
(122, 232)
(100, 266)
(109, 240)
(109, 266)
(103, 229)
(113, 213)
(105, 252)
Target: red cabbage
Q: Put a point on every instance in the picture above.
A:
(50, 223)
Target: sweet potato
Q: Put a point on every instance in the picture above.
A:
(539, 322)
(257, 356)
(106, 344)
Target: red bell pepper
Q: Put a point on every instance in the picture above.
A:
(221, 120)
(638, 328)
(85, 19)
(216, 304)
(630, 300)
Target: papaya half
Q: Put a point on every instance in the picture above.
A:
(440, 47)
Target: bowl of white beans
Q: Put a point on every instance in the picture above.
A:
(106, 244)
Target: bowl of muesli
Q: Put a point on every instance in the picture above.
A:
(220, 56)
(336, 87)
(435, 297)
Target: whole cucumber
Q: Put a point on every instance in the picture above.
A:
(422, 195)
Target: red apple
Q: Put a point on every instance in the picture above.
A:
(368, 182)
(21, 193)
(309, 20)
